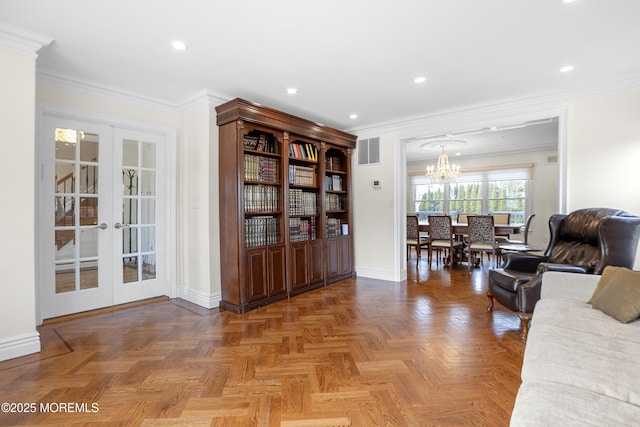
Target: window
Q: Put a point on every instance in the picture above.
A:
(500, 190)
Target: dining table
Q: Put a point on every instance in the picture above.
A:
(460, 228)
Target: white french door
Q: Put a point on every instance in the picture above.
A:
(101, 216)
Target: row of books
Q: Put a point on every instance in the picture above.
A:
(335, 227)
(334, 202)
(301, 175)
(333, 182)
(261, 198)
(302, 202)
(333, 163)
(301, 229)
(261, 231)
(304, 151)
(261, 141)
(263, 169)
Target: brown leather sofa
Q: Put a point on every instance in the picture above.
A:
(583, 241)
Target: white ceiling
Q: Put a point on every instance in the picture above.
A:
(345, 57)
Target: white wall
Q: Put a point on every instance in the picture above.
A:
(604, 153)
(376, 209)
(18, 335)
(601, 137)
(194, 215)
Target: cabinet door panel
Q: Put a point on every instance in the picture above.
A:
(345, 255)
(277, 269)
(316, 261)
(256, 275)
(299, 274)
(332, 258)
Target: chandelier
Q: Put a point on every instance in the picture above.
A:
(443, 172)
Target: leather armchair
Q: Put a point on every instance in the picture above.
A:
(584, 241)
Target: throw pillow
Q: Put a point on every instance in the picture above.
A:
(618, 294)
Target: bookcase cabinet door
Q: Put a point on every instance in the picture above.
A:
(299, 272)
(316, 261)
(344, 260)
(256, 275)
(277, 270)
(338, 256)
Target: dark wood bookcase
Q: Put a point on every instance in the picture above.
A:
(285, 205)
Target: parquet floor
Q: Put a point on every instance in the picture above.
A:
(358, 353)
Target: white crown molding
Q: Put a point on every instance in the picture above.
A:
(500, 106)
(21, 41)
(206, 97)
(93, 89)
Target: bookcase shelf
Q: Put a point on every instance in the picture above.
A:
(285, 205)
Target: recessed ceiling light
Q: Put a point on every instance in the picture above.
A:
(178, 45)
(568, 1)
(420, 79)
(292, 91)
(353, 116)
(566, 68)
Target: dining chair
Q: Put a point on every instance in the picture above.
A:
(525, 232)
(482, 237)
(462, 218)
(414, 239)
(502, 219)
(441, 238)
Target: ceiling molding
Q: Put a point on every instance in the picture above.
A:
(207, 97)
(22, 41)
(56, 81)
(500, 106)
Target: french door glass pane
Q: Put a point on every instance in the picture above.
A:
(65, 277)
(89, 242)
(148, 183)
(89, 147)
(139, 208)
(148, 267)
(148, 214)
(130, 270)
(88, 274)
(130, 210)
(88, 210)
(130, 153)
(129, 241)
(76, 210)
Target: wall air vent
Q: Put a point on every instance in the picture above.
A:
(552, 159)
(369, 151)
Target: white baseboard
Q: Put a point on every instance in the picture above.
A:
(202, 299)
(19, 345)
(388, 275)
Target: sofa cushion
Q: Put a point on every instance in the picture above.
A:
(552, 404)
(573, 315)
(583, 359)
(618, 294)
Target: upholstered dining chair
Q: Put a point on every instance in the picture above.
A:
(583, 241)
(441, 238)
(502, 219)
(413, 236)
(482, 237)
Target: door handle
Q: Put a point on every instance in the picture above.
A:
(118, 226)
(102, 226)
